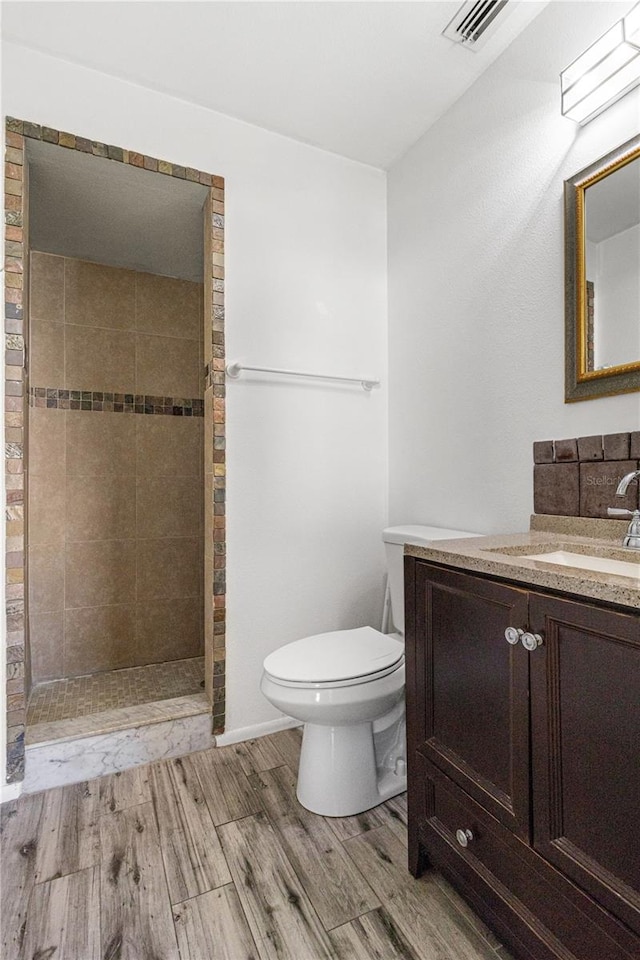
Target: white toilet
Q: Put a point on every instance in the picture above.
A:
(348, 689)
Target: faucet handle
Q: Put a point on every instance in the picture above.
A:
(620, 512)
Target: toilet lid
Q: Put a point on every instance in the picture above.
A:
(340, 655)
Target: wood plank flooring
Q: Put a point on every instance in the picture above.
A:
(210, 857)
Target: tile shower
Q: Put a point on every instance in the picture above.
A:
(116, 471)
(114, 738)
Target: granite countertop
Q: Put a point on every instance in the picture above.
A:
(504, 555)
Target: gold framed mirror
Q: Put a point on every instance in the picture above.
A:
(602, 276)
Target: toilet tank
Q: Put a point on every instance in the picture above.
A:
(394, 541)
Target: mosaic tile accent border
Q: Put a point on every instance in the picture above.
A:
(55, 398)
(16, 384)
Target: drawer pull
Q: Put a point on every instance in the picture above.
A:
(463, 837)
(513, 634)
(531, 641)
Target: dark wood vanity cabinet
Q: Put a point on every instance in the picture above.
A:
(524, 767)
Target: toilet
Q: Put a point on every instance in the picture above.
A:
(347, 687)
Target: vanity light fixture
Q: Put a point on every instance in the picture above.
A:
(605, 72)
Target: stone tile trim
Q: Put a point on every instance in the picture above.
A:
(579, 477)
(57, 398)
(16, 381)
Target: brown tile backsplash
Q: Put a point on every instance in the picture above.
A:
(566, 451)
(590, 448)
(598, 484)
(543, 451)
(615, 446)
(556, 489)
(589, 488)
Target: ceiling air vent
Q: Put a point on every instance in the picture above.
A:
(474, 22)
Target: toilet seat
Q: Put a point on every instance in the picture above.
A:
(336, 659)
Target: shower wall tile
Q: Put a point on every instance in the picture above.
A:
(168, 507)
(101, 445)
(169, 446)
(99, 638)
(100, 508)
(97, 359)
(169, 569)
(169, 629)
(47, 430)
(99, 296)
(166, 365)
(169, 307)
(99, 572)
(46, 294)
(46, 631)
(46, 578)
(46, 510)
(109, 468)
(47, 360)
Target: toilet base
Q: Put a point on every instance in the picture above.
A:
(338, 776)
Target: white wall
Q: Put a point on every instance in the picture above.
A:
(306, 288)
(476, 284)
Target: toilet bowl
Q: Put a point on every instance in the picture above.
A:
(347, 687)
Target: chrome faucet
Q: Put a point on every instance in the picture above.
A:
(632, 538)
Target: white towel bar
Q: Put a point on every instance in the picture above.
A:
(235, 369)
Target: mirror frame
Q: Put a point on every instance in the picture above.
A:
(580, 382)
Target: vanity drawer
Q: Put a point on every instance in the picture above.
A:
(467, 842)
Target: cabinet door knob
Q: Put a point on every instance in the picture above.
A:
(531, 641)
(513, 634)
(463, 837)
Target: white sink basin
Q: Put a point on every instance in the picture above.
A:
(621, 568)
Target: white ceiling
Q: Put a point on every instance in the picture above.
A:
(362, 79)
(96, 209)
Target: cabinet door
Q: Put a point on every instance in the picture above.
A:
(468, 688)
(585, 700)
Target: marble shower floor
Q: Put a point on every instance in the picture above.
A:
(100, 693)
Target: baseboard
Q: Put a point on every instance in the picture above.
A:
(10, 791)
(257, 730)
